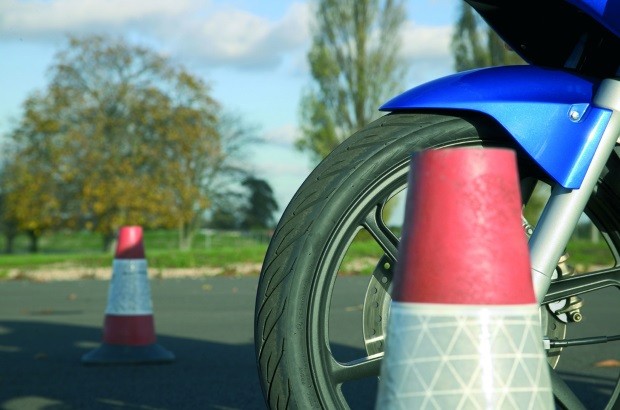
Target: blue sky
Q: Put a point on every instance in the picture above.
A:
(251, 52)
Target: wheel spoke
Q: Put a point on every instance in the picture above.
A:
(356, 369)
(383, 235)
(583, 283)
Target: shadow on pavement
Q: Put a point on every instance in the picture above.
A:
(40, 368)
(594, 391)
(45, 329)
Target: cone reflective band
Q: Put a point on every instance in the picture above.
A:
(129, 312)
(129, 329)
(463, 330)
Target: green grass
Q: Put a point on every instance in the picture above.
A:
(220, 256)
(587, 253)
(84, 249)
(220, 249)
(88, 242)
(38, 260)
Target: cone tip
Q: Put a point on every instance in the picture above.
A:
(130, 244)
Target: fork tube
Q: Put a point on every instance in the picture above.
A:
(565, 206)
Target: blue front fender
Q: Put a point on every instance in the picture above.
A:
(548, 112)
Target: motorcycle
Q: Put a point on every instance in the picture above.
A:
(560, 112)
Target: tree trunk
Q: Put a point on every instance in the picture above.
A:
(34, 242)
(185, 236)
(8, 242)
(109, 242)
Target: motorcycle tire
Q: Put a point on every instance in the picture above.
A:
(301, 363)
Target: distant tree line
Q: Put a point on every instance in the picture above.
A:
(119, 136)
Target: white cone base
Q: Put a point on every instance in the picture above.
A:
(464, 357)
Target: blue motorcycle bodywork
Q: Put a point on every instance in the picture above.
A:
(606, 12)
(548, 112)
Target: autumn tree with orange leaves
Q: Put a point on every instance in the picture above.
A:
(119, 136)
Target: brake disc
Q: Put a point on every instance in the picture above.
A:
(377, 308)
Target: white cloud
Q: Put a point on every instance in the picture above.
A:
(285, 134)
(426, 49)
(419, 41)
(39, 18)
(238, 38)
(209, 33)
(284, 170)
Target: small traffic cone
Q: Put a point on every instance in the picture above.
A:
(464, 330)
(128, 329)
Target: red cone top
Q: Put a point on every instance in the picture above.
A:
(462, 240)
(130, 244)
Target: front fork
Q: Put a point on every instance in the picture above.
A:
(565, 206)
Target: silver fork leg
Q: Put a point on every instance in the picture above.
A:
(565, 206)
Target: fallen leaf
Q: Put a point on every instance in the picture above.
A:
(608, 363)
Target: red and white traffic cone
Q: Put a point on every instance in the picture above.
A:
(129, 329)
(464, 329)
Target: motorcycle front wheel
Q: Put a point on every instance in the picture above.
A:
(304, 317)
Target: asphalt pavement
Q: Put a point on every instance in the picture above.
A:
(45, 328)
